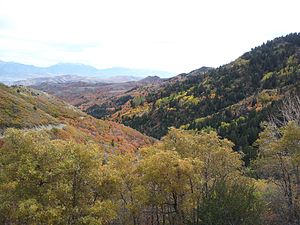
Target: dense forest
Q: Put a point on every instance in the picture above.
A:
(232, 99)
(229, 150)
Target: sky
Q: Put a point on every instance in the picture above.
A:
(172, 35)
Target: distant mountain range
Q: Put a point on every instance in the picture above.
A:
(63, 79)
(12, 71)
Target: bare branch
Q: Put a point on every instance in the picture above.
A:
(287, 112)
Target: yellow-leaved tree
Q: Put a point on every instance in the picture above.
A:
(279, 162)
(187, 178)
(46, 181)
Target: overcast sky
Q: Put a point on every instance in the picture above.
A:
(172, 35)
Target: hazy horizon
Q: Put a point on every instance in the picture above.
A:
(173, 36)
(79, 64)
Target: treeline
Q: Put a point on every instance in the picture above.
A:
(190, 177)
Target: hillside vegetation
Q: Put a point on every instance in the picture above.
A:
(61, 166)
(97, 98)
(26, 108)
(232, 99)
(187, 178)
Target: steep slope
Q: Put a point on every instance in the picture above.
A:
(22, 107)
(233, 99)
(26, 108)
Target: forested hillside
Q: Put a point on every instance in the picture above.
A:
(59, 165)
(187, 178)
(232, 99)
